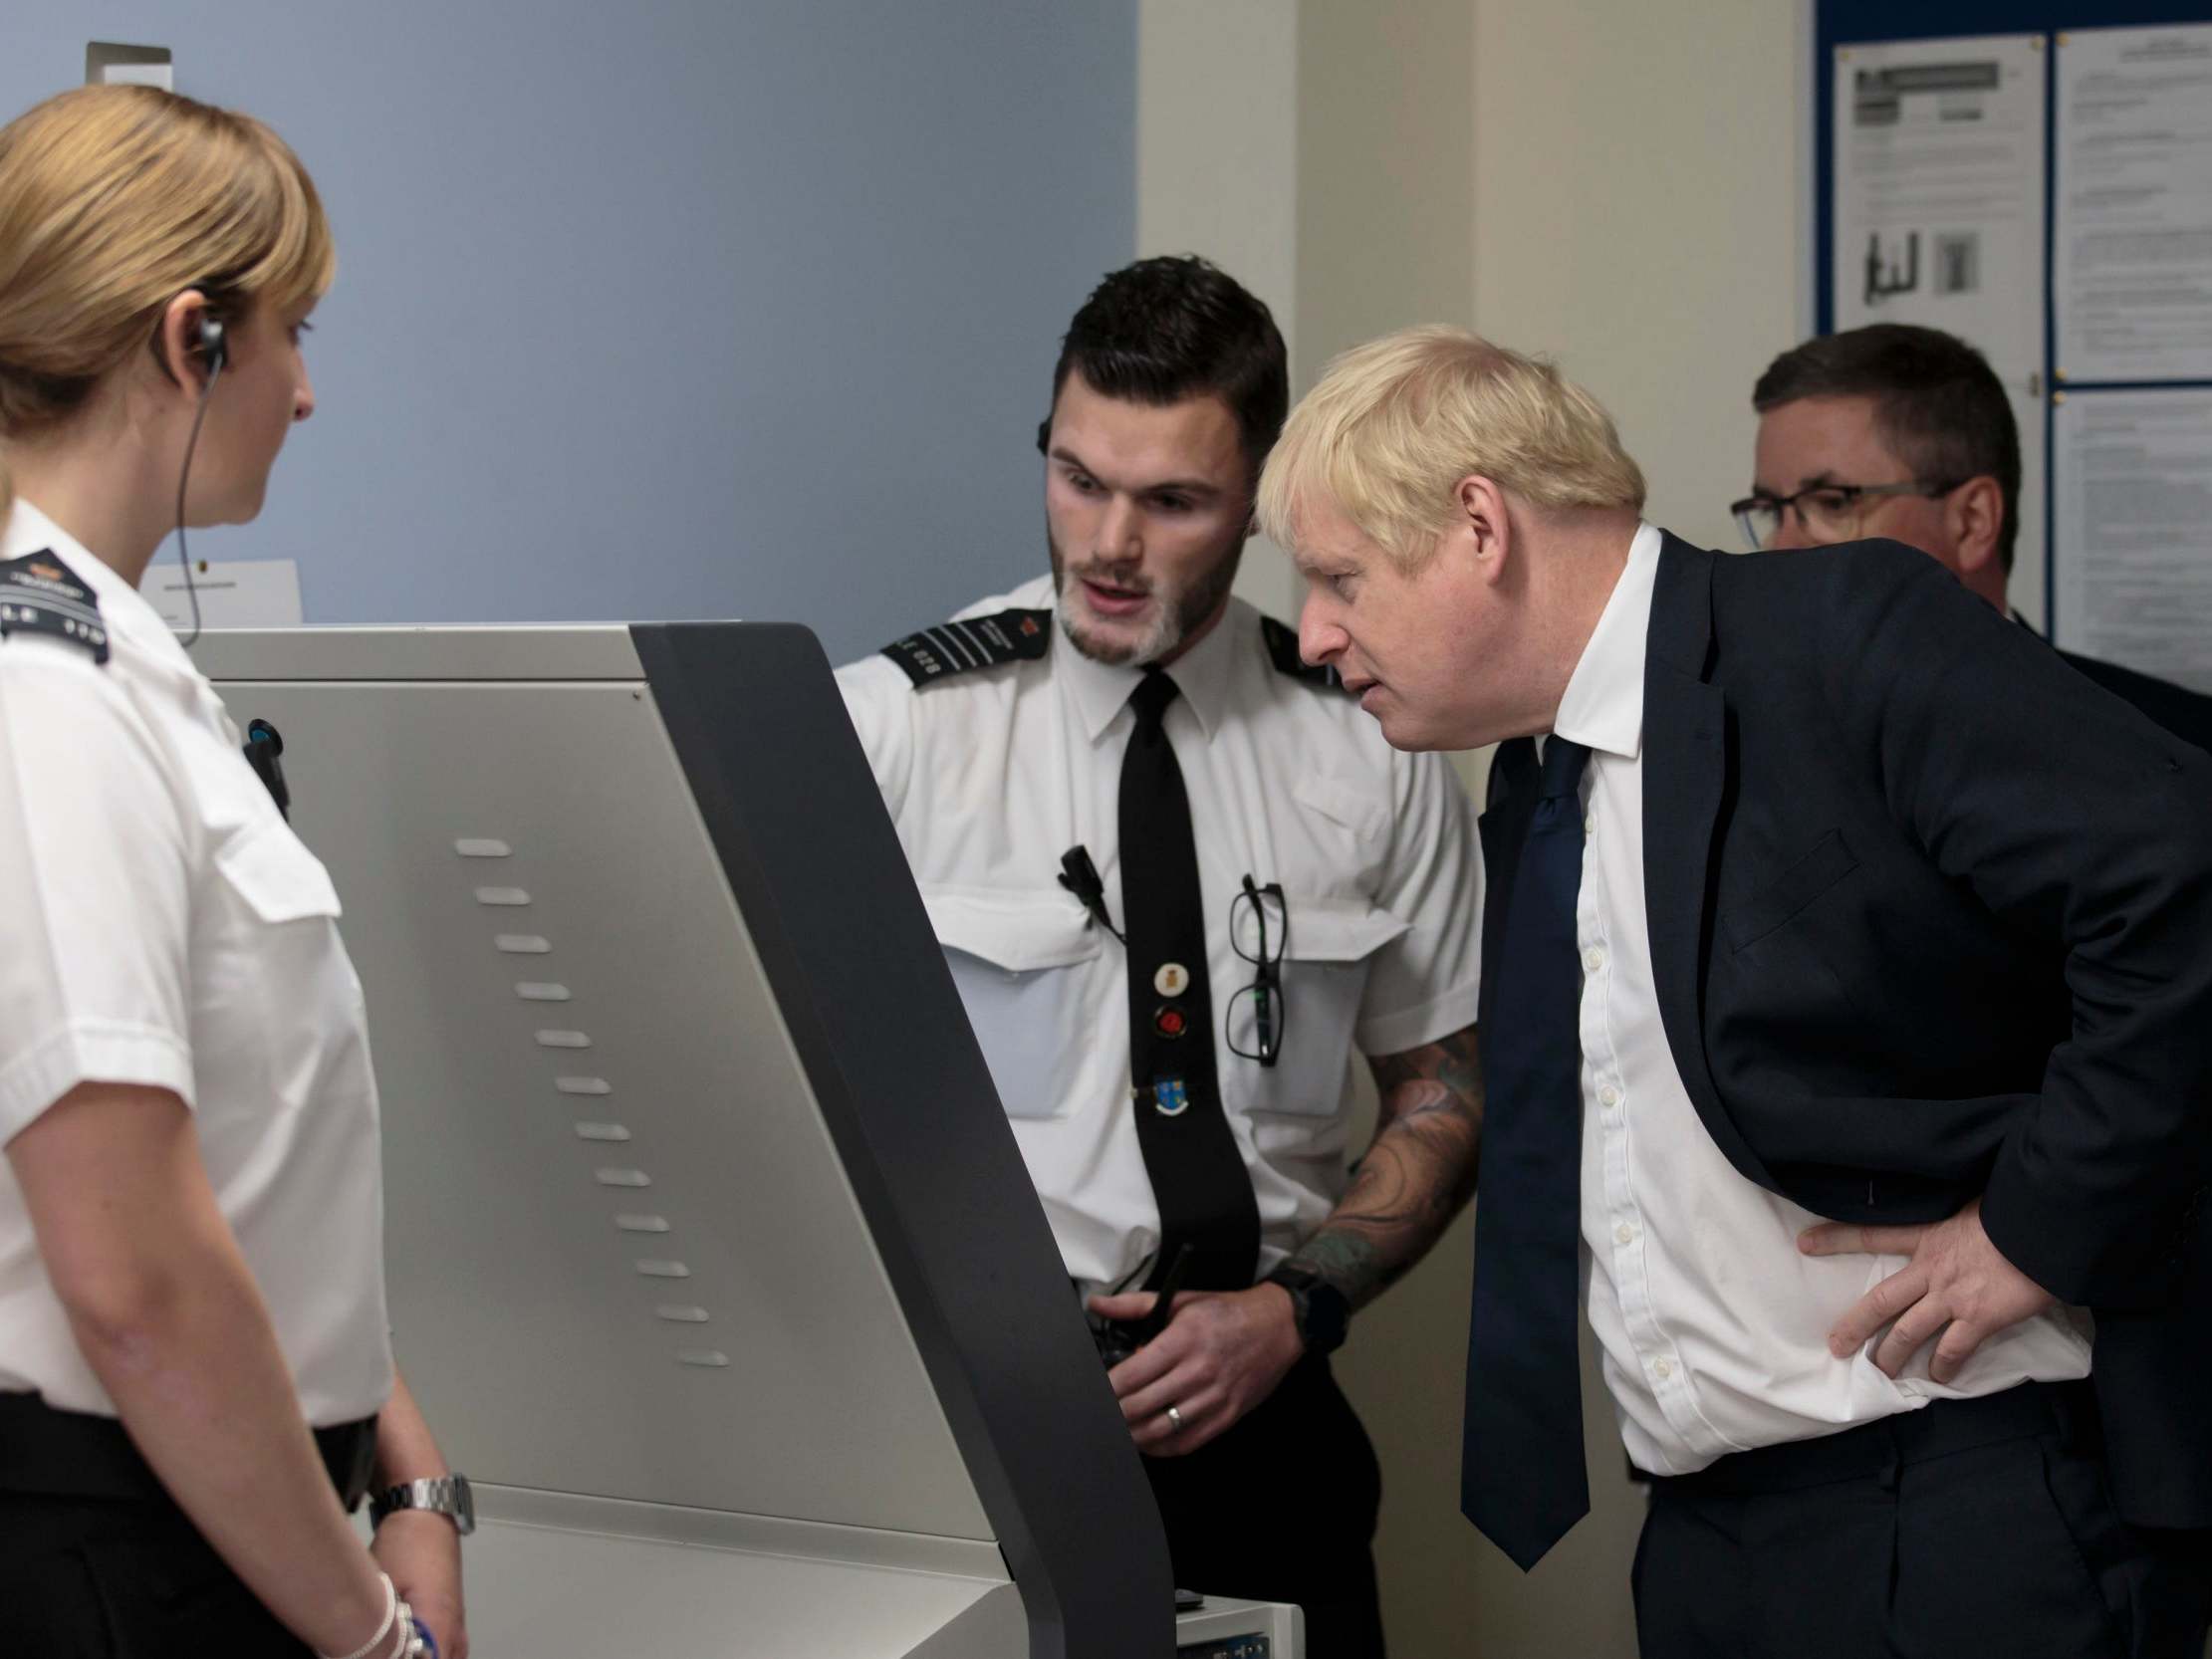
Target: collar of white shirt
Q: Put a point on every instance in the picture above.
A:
(1204, 676)
(1603, 707)
(123, 607)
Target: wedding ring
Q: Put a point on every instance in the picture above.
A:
(1175, 1416)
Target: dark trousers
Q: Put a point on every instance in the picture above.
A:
(97, 1562)
(108, 1578)
(1281, 1507)
(1969, 1529)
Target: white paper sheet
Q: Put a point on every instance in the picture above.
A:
(2133, 286)
(2134, 547)
(1938, 213)
(233, 592)
(1939, 199)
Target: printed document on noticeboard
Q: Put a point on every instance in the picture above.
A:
(2133, 545)
(2132, 260)
(1938, 212)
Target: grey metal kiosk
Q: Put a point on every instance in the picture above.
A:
(712, 1258)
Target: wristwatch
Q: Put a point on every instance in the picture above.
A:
(448, 1495)
(1319, 1308)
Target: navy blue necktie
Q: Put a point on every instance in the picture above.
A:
(1520, 1477)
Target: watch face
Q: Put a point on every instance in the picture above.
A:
(1318, 1307)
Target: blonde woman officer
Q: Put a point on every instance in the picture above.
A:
(190, 1214)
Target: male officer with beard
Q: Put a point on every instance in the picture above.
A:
(1180, 878)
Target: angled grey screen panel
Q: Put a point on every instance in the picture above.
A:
(624, 1258)
(698, 1193)
(873, 1012)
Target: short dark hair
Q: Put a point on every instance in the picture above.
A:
(1937, 403)
(1163, 329)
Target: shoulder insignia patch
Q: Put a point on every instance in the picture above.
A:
(40, 595)
(1282, 650)
(973, 642)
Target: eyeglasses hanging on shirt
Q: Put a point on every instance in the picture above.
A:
(1259, 928)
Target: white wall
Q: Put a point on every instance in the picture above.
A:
(1620, 187)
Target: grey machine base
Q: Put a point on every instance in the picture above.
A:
(551, 1574)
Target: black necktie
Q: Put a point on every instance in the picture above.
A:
(1521, 1476)
(1190, 1153)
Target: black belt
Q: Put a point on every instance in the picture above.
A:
(72, 1454)
(1935, 1430)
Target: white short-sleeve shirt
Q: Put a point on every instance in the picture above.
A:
(992, 773)
(164, 927)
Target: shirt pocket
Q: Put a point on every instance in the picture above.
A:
(1021, 964)
(1326, 961)
(280, 881)
(272, 982)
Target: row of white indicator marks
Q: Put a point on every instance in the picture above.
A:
(636, 1224)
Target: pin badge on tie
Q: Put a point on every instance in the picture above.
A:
(1169, 1098)
(1169, 1021)
(1171, 979)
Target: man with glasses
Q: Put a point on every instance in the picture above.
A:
(1180, 880)
(1907, 432)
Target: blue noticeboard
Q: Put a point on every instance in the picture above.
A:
(1843, 23)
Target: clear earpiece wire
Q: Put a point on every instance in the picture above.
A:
(183, 553)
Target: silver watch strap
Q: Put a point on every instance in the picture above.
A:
(446, 1495)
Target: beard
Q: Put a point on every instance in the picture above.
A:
(1177, 613)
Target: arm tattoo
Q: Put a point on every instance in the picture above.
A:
(1415, 1176)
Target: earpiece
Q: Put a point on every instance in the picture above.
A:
(214, 348)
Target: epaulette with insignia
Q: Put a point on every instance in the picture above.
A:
(973, 642)
(40, 595)
(1281, 649)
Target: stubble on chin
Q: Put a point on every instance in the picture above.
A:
(1162, 633)
(1176, 615)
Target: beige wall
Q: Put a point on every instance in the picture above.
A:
(1638, 179)
(1386, 173)
(1617, 184)
(1217, 171)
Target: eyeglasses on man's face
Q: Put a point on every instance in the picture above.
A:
(1829, 513)
(1259, 928)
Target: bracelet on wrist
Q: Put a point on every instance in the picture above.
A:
(385, 1625)
(411, 1638)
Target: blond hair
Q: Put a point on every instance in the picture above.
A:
(1396, 423)
(113, 201)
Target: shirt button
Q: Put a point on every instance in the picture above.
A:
(1590, 825)
(1625, 1232)
(1593, 959)
(1664, 1369)
(1607, 1096)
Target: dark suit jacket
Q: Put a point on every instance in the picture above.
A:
(1932, 917)
(2185, 713)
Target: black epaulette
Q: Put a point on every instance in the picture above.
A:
(1282, 649)
(973, 642)
(40, 595)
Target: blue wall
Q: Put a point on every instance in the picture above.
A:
(709, 309)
